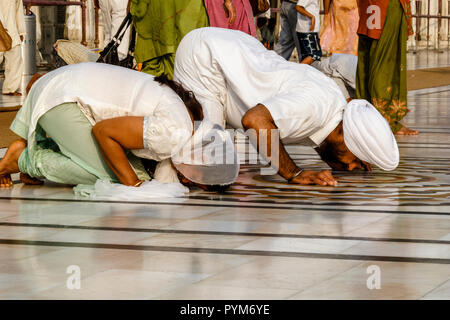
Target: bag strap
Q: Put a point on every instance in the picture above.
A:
(122, 29)
(132, 41)
(115, 42)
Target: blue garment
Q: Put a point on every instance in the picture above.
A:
(310, 45)
(288, 39)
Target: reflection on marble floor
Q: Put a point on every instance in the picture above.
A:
(12, 101)
(263, 239)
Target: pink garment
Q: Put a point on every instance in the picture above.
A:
(339, 30)
(244, 16)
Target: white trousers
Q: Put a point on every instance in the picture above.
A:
(13, 69)
(113, 13)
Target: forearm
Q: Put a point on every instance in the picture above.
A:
(304, 12)
(116, 159)
(326, 5)
(260, 119)
(116, 135)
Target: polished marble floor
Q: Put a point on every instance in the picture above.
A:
(263, 239)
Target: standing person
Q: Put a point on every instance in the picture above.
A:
(288, 36)
(381, 73)
(160, 26)
(236, 15)
(113, 13)
(12, 17)
(308, 23)
(340, 25)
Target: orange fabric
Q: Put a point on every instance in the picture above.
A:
(340, 24)
(363, 29)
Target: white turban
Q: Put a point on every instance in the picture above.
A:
(209, 157)
(368, 135)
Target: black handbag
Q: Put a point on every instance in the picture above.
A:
(109, 54)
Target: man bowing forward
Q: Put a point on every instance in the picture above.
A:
(239, 82)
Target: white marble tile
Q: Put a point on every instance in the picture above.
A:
(208, 292)
(397, 249)
(329, 246)
(280, 273)
(397, 281)
(442, 292)
(122, 284)
(195, 241)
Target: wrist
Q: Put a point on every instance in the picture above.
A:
(297, 173)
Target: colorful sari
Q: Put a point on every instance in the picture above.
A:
(381, 73)
(160, 25)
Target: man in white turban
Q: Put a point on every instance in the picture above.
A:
(239, 82)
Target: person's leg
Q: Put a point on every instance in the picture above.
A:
(9, 163)
(285, 44)
(403, 90)
(53, 166)
(105, 8)
(13, 70)
(293, 26)
(362, 70)
(306, 56)
(118, 14)
(387, 72)
(311, 47)
(72, 132)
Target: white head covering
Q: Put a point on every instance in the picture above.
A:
(209, 157)
(368, 135)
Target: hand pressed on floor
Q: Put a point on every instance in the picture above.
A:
(323, 178)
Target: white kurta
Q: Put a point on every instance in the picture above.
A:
(231, 72)
(105, 91)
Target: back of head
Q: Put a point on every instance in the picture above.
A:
(192, 105)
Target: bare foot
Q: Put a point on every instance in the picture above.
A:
(9, 163)
(26, 179)
(407, 132)
(5, 181)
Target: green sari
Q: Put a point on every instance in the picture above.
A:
(381, 73)
(160, 25)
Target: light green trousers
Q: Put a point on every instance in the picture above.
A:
(72, 155)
